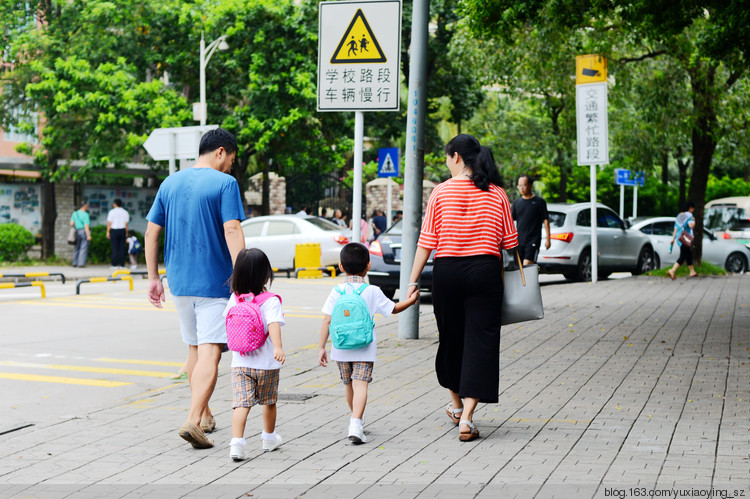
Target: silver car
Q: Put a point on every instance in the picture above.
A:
(726, 253)
(620, 249)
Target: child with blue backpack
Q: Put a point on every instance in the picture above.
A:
(254, 318)
(348, 318)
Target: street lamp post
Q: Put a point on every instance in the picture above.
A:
(206, 53)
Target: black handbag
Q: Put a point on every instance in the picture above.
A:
(522, 296)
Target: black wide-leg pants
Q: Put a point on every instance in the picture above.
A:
(467, 294)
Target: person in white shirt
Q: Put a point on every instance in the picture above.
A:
(117, 229)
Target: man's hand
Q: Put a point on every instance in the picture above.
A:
(547, 243)
(156, 292)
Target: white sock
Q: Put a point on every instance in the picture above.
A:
(355, 420)
(237, 441)
(268, 436)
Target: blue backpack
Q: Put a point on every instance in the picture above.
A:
(351, 322)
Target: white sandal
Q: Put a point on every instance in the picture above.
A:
(468, 436)
(454, 414)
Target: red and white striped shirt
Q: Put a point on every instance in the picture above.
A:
(463, 220)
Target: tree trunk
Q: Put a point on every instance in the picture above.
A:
(682, 168)
(49, 217)
(665, 168)
(240, 174)
(559, 161)
(266, 188)
(703, 144)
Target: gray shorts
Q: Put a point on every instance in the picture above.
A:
(201, 319)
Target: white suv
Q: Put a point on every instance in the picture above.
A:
(620, 249)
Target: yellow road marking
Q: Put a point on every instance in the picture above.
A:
(87, 369)
(63, 380)
(136, 361)
(542, 420)
(84, 305)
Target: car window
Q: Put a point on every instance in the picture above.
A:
(584, 218)
(395, 229)
(253, 229)
(663, 228)
(556, 219)
(647, 229)
(281, 228)
(741, 225)
(322, 223)
(607, 219)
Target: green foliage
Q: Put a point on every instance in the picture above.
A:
(703, 268)
(15, 241)
(100, 248)
(725, 187)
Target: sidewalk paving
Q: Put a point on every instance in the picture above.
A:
(635, 387)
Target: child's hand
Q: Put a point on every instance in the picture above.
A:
(323, 357)
(278, 354)
(412, 299)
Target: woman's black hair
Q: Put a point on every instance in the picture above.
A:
(252, 271)
(686, 206)
(477, 157)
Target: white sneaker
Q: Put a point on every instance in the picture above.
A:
(269, 445)
(357, 433)
(133, 267)
(237, 452)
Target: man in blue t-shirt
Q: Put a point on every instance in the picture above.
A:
(200, 210)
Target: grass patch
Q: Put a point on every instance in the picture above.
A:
(55, 260)
(704, 268)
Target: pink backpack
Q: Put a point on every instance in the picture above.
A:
(245, 330)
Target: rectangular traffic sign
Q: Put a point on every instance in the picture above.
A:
(177, 142)
(359, 56)
(627, 177)
(388, 162)
(592, 126)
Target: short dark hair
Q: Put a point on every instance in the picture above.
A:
(687, 205)
(529, 180)
(117, 202)
(252, 271)
(216, 138)
(354, 258)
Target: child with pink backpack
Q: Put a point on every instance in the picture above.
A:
(254, 319)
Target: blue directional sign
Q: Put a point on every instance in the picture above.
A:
(627, 177)
(388, 162)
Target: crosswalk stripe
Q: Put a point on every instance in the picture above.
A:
(87, 369)
(60, 379)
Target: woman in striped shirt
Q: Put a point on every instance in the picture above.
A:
(467, 223)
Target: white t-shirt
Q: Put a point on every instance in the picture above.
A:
(377, 303)
(119, 218)
(262, 358)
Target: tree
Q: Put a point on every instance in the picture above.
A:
(98, 108)
(707, 40)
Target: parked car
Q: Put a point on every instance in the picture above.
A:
(740, 232)
(725, 253)
(619, 248)
(385, 262)
(729, 218)
(278, 235)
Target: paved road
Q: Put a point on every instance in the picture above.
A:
(629, 388)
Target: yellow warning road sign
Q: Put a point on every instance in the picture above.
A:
(358, 44)
(590, 69)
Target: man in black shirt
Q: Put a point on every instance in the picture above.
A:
(529, 212)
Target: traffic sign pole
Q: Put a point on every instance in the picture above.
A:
(622, 201)
(359, 126)
(389, 216)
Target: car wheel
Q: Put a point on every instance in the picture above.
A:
(389, 292)
(645, 261)
(584, 266)
(657, 261)
(736, 263)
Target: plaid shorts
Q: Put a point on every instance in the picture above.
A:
(355, 370)
(254, 386)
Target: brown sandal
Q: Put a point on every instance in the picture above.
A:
(468, 436)
(454, 414)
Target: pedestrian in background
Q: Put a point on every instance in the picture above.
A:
(255, 374)
(467, 223)
(530, 213)
(684, 223)
(134, 249)
(379, 223)
(117, 229)
(200, 210)
(82, 223)
(338, 218)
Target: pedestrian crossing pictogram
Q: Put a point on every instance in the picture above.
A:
(358, 44)
(388, 166)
